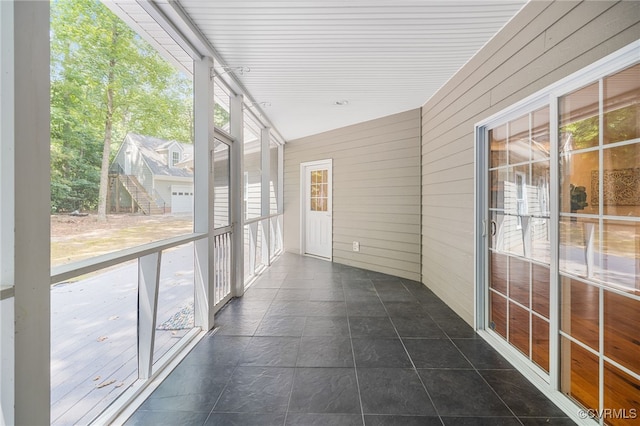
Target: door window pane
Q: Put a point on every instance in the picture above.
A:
(621, 181)
(540, 139)
(540, 240)
(579, 128)
(519, 140)
(621, 107)
(515, 189)
(580, 311)
(578, 177)
(621, 395)
(498, 272)
(579, 375)
(540, 342)
(578, 242)
(620, 262)
(621, 332)
(519, 328)
(498, 313)
(540, 276)
(498, 146)
(498, 178)
(519, 280)
(539, 204)
(319, 190)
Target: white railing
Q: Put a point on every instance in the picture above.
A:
(222, 254)
(149, 363)
(275, 236)
(72, 270)
(262, 243)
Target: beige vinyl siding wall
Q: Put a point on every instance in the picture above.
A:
(376, 192)
(545, 42)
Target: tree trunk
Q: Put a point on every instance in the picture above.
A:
(106, 153)
(108, 124)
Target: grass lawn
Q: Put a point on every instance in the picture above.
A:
(76, 238)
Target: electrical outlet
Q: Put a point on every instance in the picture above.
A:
(356, 246)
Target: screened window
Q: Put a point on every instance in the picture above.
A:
(273, 178)
(252, 167)
(221, 184)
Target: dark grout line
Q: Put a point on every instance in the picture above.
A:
(326, 279)
(355, 364)
(415, 370)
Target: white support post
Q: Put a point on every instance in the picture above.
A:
(25, 222)
(7, 185)
(148, 287)
(280, 193)
(253, 241)
(203, 190)
(280, 199)
(265, 141)
(6, 144)
(236, 127)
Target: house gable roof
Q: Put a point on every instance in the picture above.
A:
(153, 151)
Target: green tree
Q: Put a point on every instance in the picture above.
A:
(220, 117)
(105, 82)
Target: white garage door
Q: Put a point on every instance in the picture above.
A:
(181, 199)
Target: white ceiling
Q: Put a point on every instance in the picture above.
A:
(382, 56)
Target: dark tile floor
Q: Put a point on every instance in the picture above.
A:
(316, 343)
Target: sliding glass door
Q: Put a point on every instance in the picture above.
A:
(519, 244)
(599, 242)
(559, 257)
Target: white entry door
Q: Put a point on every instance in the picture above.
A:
(316, 198)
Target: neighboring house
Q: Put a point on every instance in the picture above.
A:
(152, 175)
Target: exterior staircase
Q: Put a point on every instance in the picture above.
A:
(140, 196)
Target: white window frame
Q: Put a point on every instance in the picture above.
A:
(175, 158)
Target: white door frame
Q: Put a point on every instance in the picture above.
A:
(303, 196)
